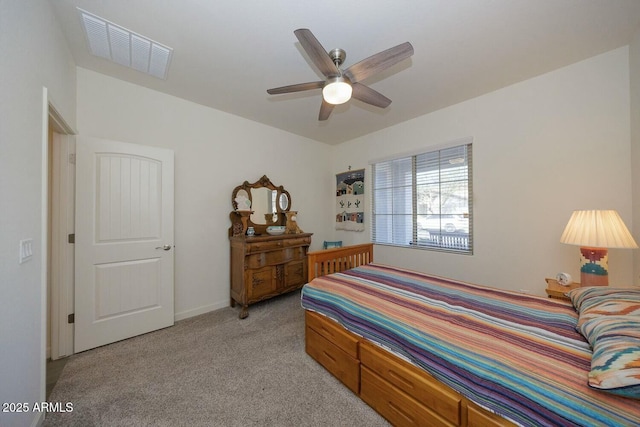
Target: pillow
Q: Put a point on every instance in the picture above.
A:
(579, 296)
(615, 364)
(613, 307)
(591, 302)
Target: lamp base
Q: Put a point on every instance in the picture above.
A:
(594, 270)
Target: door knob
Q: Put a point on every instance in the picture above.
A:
(164, 248)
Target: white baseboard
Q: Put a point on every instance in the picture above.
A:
(200, 310)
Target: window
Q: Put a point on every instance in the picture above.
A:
(424, 200)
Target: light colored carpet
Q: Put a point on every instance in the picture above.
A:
(210, 370)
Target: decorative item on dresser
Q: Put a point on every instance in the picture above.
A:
(266, 262)
(292, 223)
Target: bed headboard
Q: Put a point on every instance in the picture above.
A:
(338, 259)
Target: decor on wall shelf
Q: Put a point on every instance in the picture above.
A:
(350, 200)
(595, 232)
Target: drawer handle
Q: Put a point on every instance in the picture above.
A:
(330, 333)
(400, 378)
(401, 413)
(329, 356)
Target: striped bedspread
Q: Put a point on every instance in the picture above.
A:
(518, 355)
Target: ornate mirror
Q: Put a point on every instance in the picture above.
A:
(259, 205)
(284, 202)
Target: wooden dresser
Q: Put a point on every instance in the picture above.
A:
(265, 266)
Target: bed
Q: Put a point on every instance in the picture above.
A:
(426, 350)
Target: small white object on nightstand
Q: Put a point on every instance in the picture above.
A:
(564, 279)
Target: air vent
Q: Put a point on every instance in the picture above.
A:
(110, 41)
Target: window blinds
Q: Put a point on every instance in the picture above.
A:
(424, 200)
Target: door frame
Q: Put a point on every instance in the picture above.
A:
(62, 252)
(60, 274)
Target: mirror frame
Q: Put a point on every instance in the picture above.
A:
(243, 218)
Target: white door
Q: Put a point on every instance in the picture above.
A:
(124, 241)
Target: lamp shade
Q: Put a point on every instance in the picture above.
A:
(597, 229)
(337, 91)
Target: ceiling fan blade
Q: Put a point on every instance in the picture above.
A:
(370, 96)
(295, 88)
(316, 52)
(325, 110)
(378, 62)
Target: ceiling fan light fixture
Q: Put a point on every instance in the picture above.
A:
(337, 90)
(339, 86)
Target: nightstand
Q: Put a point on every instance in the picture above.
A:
(556, 290)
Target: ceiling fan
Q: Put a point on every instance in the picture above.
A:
(341, 85)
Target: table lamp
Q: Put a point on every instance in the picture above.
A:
(595, 232)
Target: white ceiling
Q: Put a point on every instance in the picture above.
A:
(227, 53)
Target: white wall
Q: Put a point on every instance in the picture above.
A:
(214, 153)
(34, 55)
(542, 148)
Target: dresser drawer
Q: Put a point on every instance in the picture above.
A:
(396, 406)
(264, 246)
(298, 241)
(340, 364)
(262, 259)
(414, 381)
(333, 332)
(272, 245)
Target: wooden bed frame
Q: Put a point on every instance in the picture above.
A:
(399, 391)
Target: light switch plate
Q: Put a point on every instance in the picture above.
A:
(26, 250)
